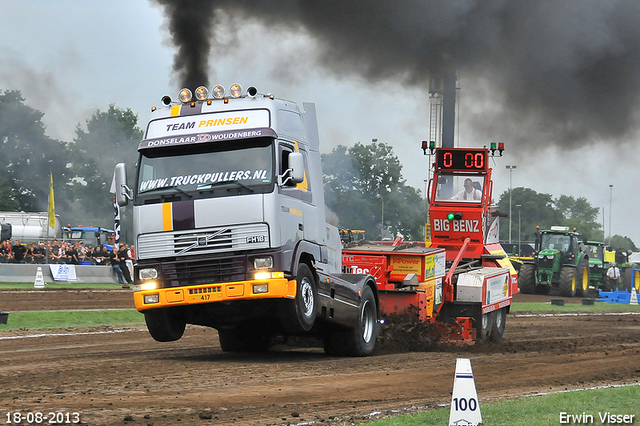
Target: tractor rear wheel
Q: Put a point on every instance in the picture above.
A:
(527, 278)
(582, 278)
(568, 281)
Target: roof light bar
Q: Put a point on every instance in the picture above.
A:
(218, 92)
(201, 93)
(235, 90)
(185, 95)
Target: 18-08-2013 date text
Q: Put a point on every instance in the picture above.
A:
(37, 418)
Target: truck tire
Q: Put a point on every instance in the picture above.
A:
(527, 278)
(567, 283)
(500, 319)
(582, 278)
(164, 325)
(300, 313)
(359, 340)
(240, 339)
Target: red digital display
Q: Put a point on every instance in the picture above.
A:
(462, 159)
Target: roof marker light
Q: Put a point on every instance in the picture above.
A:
(235, 90)
(201, 93)
(185, 95)
(218, 92)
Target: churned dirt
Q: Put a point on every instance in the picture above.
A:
(122, 376)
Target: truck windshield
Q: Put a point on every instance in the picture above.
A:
(200, 170)
(459, 188)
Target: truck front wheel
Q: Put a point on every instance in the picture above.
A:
(164, 325)
(300, 313)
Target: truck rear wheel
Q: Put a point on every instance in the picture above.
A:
(164, 325)
(300, 313)
(359, 340)
(568, 281)
(582, 278)
(527, 278)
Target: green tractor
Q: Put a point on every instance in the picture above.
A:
(558, 263)
(597, 265)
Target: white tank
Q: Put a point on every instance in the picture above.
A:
(31, 227)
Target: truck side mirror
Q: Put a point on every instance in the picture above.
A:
(296, 163)
(295, 173)
(123, 192)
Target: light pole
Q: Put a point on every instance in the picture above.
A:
(610, 203)
(510, 168)
(519, 206)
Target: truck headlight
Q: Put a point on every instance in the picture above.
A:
(265, 262)
(148, 274)
(151, 298)
(260, 288)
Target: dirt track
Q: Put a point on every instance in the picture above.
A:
(114, 377)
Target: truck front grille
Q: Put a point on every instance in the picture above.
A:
(204, 271)
(203, 241)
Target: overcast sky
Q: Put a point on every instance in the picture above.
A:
(70, 58)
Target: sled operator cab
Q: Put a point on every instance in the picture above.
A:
(460, 199)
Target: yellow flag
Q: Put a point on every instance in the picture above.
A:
(51, 211)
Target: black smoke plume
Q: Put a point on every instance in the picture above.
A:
(190, 24)
(570, 69)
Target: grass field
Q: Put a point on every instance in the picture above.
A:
(542, 410)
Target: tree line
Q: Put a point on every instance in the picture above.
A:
(82, 169)
(364, 185)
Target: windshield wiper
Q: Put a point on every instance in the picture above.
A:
(210, 186)
(177, 188)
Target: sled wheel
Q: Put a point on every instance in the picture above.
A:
(499, 320)
(485, 326)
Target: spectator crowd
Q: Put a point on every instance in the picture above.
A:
(66, 252)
